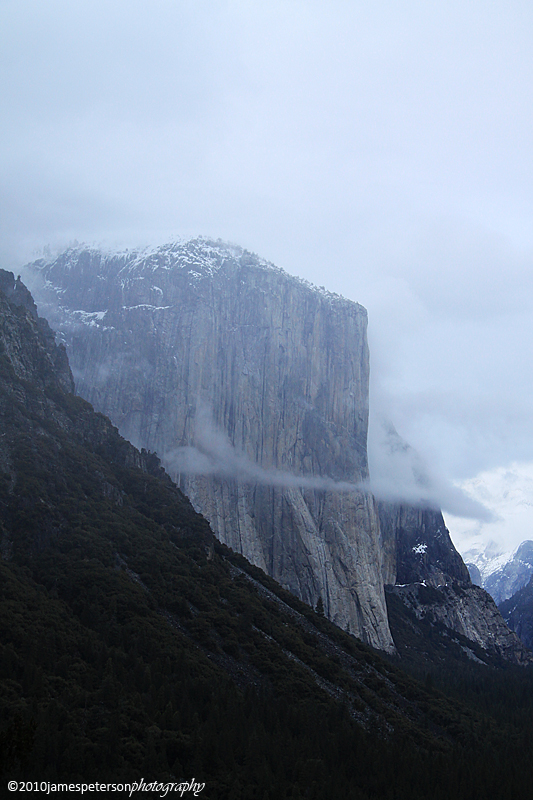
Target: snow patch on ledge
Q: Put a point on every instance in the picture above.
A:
(145, 305)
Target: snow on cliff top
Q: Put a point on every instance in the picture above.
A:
(200, 257)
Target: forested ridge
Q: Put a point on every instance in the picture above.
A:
(134, 645)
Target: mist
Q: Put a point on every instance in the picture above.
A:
(402, 476)
(381, 150)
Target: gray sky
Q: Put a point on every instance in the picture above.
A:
(381, 149)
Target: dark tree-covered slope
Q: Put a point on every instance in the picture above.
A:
(134, 645)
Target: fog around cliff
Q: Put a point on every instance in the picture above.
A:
(382, 150)
(398, 473)
(213, 454)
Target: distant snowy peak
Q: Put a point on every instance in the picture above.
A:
(486, 560)
(501, 574)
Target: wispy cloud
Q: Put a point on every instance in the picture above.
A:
(403, 476)
(213, 454)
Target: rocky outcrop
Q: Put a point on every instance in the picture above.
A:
(37, 393)
(422, 568)
(27, 343)
(253, 388)
(16, 292)
(468, 610)
(417, 547)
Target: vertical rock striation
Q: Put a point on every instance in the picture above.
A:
(253, 388)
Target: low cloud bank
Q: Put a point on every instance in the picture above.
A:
(400, 475)
(213, 454)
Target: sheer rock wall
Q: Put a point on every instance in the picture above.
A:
(251, 386)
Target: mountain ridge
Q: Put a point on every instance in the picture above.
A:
(502, 574)
(282, 370)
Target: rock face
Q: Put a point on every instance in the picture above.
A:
(252, 386)
(423, 569)
(468, 610)
(35, 371)
(415, 543)
(16, 293)
(417, 547)
(27, 340)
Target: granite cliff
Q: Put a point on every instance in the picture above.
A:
(423, 570)
(252, 386)
(416, 547)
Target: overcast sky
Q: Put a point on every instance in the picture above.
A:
(381, 149)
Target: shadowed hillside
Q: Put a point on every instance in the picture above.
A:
(133, 644)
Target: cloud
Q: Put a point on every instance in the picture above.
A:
(508, 493)
(382, 150)
(213, 454)
(400, 474)
(403, 477)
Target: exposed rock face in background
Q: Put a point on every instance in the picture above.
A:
(15, 291)
(224, 364)
(423, 569)
(468, 610)
(252, 386)
(415, 543)
(417, 547)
